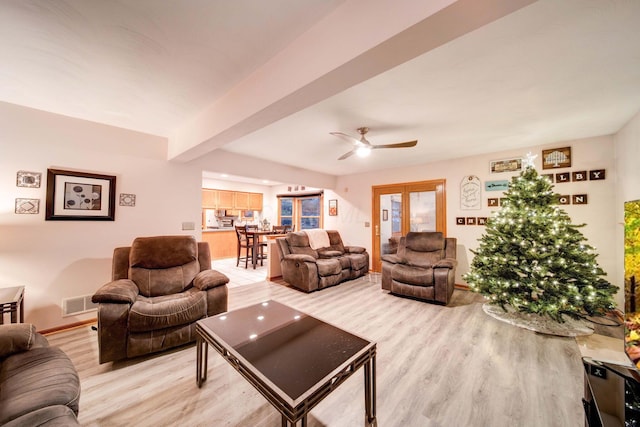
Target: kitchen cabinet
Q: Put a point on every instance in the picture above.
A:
(226, 199)
(255, 201)
(236, 200)
(209, 198)
(241, 201)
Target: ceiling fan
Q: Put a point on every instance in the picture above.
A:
(363, 148)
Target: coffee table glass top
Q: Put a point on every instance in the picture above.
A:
(291, 349)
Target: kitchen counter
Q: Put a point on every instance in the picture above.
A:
(214, 230)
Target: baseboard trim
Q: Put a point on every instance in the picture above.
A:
(69, 326)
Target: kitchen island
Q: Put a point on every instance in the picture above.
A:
(223, 242)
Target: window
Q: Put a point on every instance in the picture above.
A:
(301, 212)
(310, 212)
(285, 216)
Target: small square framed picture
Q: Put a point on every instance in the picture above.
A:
(28, 179)
(127, 199)
(27, 206)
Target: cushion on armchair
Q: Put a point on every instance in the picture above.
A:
(155, 313)
(163, 265)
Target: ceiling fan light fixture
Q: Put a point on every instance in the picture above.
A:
(363, 151)
(362, 147)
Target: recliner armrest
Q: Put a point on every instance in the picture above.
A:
(392, 258)
(446, 263)
(354, 249)
(18, 337)
(328, 254)
(122, 291)
(300, 257)
(208, 279)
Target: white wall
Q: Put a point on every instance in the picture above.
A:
(354, 195)
(627, 155)
(62, 259)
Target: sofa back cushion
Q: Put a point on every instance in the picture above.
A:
(163, 265)
(422, 249)
(335, 241)
(298, 242)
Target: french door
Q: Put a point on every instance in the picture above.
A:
(400, 208)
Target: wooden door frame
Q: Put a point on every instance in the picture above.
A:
(437, 185)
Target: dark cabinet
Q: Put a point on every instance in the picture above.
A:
(611, 395)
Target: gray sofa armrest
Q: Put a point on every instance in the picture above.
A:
(208, 279)
(354, 249)
(300, 257)
(122, 291)
(446, 263)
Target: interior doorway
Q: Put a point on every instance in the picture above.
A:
(400, 208)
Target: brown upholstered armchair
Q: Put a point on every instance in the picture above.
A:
(424, 267)
(160, 286)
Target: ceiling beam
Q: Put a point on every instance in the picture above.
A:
(359, 40)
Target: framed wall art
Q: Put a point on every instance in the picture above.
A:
(127, 199)
(556, 158)
(506, 165)
(80, 196)
(470, 193)
(28, 179)
(27, 206)
(333, 207)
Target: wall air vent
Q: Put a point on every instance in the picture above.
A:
(77, 305)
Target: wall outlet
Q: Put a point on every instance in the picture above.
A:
(188, 225)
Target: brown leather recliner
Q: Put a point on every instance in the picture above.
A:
(160, 287)
(424, 267)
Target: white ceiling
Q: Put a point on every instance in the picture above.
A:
(551, 71)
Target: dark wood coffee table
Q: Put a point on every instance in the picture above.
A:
(294, 360)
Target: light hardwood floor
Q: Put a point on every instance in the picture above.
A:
(437, 366)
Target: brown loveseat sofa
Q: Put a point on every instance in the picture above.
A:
(160, 287)
(424, 267)
(39, 386)
(311, 269)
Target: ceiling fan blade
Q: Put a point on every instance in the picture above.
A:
(348, 154)
(350, 138)
(397, 145)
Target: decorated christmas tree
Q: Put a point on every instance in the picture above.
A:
(534, 260)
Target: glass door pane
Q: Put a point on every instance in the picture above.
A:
(422, 211)
(390, 219)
